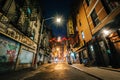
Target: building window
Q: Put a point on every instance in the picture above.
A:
(83, 35)
(88, 2)
(33, 34)
(79, 22)
(95, 18)
(110, 5)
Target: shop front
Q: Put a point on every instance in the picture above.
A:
(41, 56)
(26, 58)
(83, 56)
(114, 45)
(106, 44)
(8, 53)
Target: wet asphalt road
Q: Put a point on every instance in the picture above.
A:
(57, 71)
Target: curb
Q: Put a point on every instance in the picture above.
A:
(88, 73)
(109, 69)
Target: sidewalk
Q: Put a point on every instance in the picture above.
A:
(98, 72)
(109, 68)
(23, 73)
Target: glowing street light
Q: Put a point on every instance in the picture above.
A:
(58, 20)
(57, 48)
(59, 39)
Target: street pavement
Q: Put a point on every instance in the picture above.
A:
(53, 71)
(62, 71)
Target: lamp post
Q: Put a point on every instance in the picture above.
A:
(58, 20)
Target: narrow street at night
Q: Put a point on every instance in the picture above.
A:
(59, 39)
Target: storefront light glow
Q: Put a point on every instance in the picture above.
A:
(91, 47)
(106, 32)
(72, 54)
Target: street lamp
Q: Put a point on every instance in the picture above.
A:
(57, 48)
(59, 39)
(57, 20)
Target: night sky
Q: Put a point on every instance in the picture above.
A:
(52, 8)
